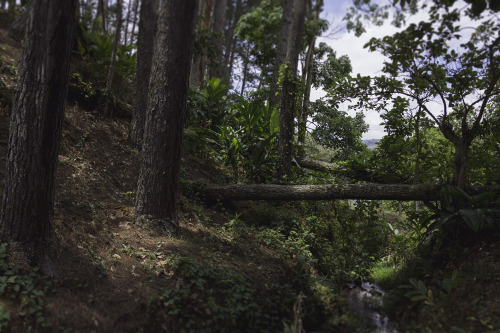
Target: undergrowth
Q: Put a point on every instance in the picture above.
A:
(27, 291)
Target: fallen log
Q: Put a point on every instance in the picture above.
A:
(332, 192)
(358, 174)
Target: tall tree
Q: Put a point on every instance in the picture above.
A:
(165, 116)
(134, 20)
(111, 71)
(145, 43)
(102, 12)
(35, 129)
(433, 63)
(127, 21)
(229, 36)
(307, 77)
(289, 90)
(282, 47)
(205, 27)
(219, 23)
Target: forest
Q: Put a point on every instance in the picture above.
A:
(202, 166)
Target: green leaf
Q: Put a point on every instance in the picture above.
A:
(274, 121)
(474, 218)
(483, 198)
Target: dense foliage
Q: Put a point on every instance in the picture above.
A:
(267, 265)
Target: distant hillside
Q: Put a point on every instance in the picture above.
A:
(372, 143)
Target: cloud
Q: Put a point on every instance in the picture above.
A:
(363, 61)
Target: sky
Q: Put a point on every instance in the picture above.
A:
(363, 61)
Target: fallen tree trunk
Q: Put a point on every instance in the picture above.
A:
(332, 192)
(358, 174)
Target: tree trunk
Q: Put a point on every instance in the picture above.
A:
(358, 174)
(145, 44)
(218, 28)
(285, 31)
(460, 164)
(165, 116)
(245, 70)
(230, 38)
(111, 71)
(332, 192)
(102, 12)
(12, 6)
(35, 129)
(196, 61)
(302, 119)
(286, 128)
(307, 78)
(289, 92)
(134, 20)
(17, 29)
(127, 20)
(416, 173)
(205, 25)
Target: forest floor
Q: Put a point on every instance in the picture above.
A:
(113, 276)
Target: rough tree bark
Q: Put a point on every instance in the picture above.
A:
(145, 43)
(127, 21)
(219, 23)
(102, 11)
(12, 5)
(461, 145)
(134, 20)
(289, 92)
(205, 25)
(165, 116)
(230, 38)
(244, 56)
(195, 65)
(111, 71)
(17, 29)
(35, 130)
(307, 78)
(359, 174)
(281, 48)
(332, 192)
(460, 163)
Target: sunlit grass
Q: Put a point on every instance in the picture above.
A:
(384, 273)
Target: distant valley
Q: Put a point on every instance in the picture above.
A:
(372, 143)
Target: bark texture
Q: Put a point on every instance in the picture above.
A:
(218, 27)
(307, 78)
(205, 25)
(17, 29)
(145, 46)
(283, 39)
(359, 174)
(35, 129)
(332, 192)
(102, 11)
(289, 97)
(134, 20)
(111, 71)
(230, 38)
(165, 116)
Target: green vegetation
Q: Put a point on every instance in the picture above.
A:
(26, 287)
(274, 266)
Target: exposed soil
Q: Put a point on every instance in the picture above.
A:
(105, 274)
(102, 287)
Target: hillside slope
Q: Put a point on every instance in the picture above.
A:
(114, 276)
